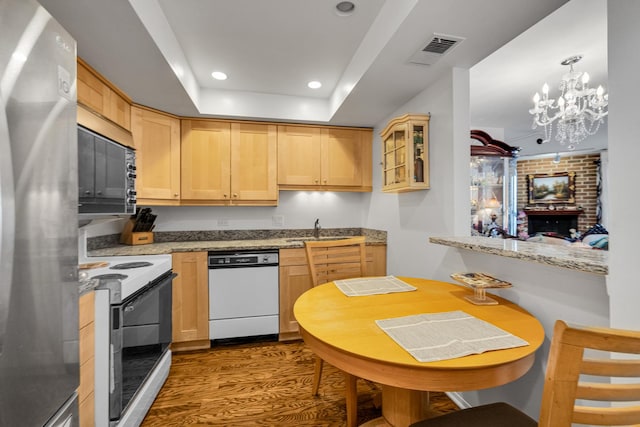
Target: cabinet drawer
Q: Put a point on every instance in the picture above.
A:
(292, 257)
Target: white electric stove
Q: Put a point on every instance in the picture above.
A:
(130, 287)
(133, 272)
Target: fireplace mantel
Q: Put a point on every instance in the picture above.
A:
(553, 212)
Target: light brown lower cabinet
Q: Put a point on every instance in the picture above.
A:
(295, 280)
(190, 301)
(86, 323)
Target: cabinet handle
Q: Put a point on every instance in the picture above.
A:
(175, 194)
(316, 181)
(235, 194)
(225, 196)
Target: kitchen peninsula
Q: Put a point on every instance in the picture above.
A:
(574, 258)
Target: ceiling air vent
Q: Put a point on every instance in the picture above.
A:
(435, 49)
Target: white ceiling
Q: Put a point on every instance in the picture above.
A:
(161, 53)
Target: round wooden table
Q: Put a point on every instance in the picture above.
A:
(342, 331)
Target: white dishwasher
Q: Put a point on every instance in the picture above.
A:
(243, 294)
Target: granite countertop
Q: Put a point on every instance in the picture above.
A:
(87, 285)
(248, 241)
(574, 258)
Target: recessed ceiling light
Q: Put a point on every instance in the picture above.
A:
(345, 8)
(314, 84)
(219, 75)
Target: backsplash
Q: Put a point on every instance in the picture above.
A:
(107, 241)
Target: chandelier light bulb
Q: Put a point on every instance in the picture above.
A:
(545, 89)
(536, 98)
(600, 91)
(585, 78)
(561, 102)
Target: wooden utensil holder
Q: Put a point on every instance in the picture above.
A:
(128, 237)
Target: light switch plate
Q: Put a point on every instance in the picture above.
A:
(277, 220)
(223, 222)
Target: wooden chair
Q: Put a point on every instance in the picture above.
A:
(330, 260)
(567, 397)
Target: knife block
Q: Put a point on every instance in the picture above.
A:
(128, 237)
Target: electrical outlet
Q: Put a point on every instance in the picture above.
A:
(277, 220)
(223, 222)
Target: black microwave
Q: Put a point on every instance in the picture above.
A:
(106, 175)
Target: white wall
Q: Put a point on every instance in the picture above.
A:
(624, 154)
(298, 209)
(410, 217)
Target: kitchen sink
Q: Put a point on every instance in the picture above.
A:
(304, 239)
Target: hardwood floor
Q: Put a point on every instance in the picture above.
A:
(259, 384)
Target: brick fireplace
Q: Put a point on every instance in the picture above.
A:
(563, 216)
(554, 221)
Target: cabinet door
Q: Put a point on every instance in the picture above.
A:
(405, 154)
(92, 92)
(294, 281)
(298, 155)
(376, 260)
(190, 301)
(156, 138)
(253, 162)
(206, 160)
(86, 164)
(344, 157)
(119, 110)
(110, 181)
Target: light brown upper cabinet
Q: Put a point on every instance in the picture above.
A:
(405, 154)
(319, 158)
(156, 138)
(100, 96)
(229, 163)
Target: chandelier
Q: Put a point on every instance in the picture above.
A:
(579, 110)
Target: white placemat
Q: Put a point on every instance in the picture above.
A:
(372, 286)
(441, 336)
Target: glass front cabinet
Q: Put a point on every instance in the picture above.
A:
(493, 187)
(405, 154)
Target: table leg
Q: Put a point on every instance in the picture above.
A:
(402, 407)
(351, 395)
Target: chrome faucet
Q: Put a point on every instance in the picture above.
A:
(316, 228)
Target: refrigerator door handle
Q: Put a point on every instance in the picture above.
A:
(7, 221)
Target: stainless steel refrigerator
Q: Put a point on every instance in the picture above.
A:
(38, 219)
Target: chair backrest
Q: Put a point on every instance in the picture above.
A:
(330, 260)
(585, 383)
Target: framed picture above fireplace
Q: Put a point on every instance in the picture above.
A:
(552, 188)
